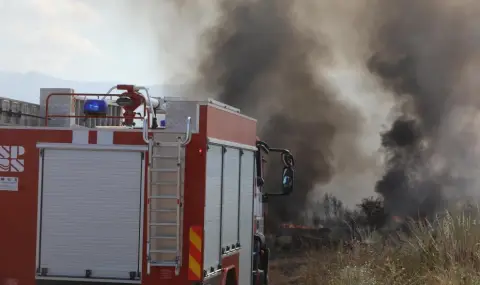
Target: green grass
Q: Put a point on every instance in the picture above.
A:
(444, 252)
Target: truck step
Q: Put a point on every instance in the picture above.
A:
(164, 210)
(165, 144)
(164, 197)
(169, 170)
(165, 183)
(164, 237)
(162, 224)
(163, 251)
(165, 156)
(164, 263)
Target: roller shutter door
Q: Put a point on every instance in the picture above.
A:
(90, 213)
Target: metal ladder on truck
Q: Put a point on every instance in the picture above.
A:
(165, 201)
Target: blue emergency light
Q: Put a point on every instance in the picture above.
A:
(95, 107)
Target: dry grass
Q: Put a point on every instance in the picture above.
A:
(440, 253)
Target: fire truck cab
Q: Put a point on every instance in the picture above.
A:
(175, 201)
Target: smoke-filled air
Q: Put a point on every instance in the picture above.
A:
(371, 96)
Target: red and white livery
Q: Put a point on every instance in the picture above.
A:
(179, 203)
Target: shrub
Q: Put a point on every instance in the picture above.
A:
(445, 251)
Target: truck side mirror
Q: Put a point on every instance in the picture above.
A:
(287, 180)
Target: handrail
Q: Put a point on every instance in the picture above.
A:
(49, 117)
(188, 132)
(145, 131)
(148, 98)
(178, 210)
(149, 205)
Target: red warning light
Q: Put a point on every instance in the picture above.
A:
(200, 151)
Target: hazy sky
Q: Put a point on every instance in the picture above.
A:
(78, 39)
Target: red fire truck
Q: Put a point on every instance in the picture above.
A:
(175, 202)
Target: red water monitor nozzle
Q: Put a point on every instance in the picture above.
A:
(129, 100)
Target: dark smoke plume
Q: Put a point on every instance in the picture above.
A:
(271, 61)
(422, 50)
(259, 61)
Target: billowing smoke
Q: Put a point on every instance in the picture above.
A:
(426, 52)
(261, 64)
(298, 67)
(325, 77)
(274, 66)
